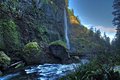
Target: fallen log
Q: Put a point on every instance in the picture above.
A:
(15, 64)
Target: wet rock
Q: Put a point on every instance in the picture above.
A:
(58, 50)
(48, 58)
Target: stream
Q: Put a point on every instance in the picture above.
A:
(44, 72)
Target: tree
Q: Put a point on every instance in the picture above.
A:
(98, 34)
(91, 32)
(116, 22)
(106, 41)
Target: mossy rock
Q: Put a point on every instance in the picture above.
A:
(31, 53)
(59, 43)
(4, 59)
(31, 46)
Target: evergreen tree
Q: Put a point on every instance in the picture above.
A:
(91, 32)
(97, 34)
(106, 41)
(116, 22)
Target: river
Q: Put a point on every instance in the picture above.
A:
(44, 72)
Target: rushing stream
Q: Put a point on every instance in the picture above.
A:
(44, 72)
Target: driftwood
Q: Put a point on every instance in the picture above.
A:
(15, 64)
(12, 66)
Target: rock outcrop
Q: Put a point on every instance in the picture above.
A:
(58, 50)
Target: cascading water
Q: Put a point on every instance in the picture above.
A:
(66, 29)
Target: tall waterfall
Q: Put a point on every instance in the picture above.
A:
(66, 29)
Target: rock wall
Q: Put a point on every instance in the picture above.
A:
(30, 20)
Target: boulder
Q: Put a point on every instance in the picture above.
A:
(31, 53)
(59, 51)
(4, 60)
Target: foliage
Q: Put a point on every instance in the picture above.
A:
(10, 34)
(10, 7)
(41, 32)
(88, 40)
(95, 70)
(4, 59)
(116, 22)
(70, 12)
(59, 43)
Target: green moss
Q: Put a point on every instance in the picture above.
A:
(10, 34)
(59, 42)
(31, 46)
(4, 59)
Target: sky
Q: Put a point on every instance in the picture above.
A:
(97, 13)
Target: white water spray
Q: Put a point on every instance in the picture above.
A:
(66, 29)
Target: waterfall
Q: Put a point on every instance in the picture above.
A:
(66, 29)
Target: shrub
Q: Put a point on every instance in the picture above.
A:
(94, 71)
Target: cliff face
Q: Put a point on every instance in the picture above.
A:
(30, 20)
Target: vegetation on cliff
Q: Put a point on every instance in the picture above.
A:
(74, 20)
(11, 35)
(59, 43)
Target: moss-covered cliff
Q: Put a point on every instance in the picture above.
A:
(27, 21)
(32, 20)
